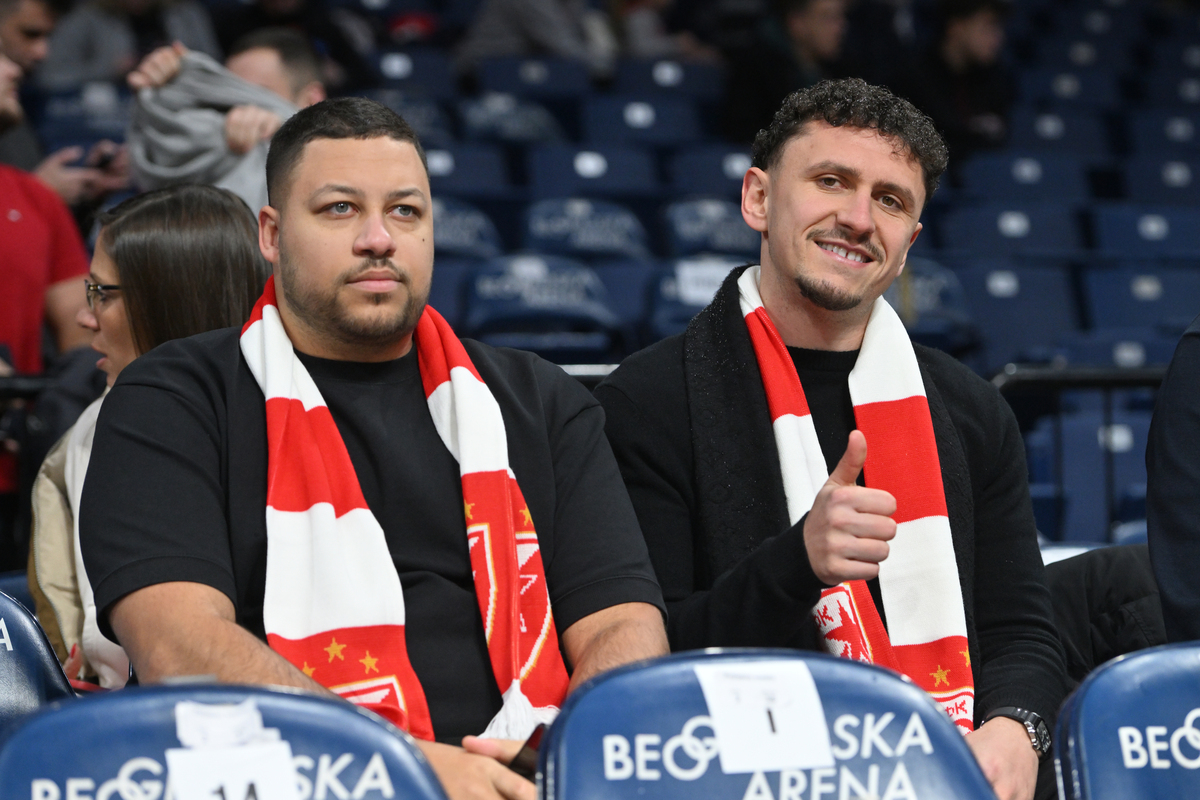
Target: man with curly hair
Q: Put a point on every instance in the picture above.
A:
(805, 476)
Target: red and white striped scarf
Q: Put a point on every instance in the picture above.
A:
(334, 606)
(919, 578)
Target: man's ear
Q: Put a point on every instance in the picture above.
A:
(311, 94)
(912, 240)
(755, 186)
(268, 234)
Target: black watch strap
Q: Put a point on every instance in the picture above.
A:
(1035, 726)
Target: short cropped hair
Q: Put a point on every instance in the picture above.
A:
(187, 261)
(296, 53)
(855, 103)
(340, 118)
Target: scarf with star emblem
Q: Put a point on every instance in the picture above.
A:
(333, 604)
(926, 634)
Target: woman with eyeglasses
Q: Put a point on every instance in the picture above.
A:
(168, 264)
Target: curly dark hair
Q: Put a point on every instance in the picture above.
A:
(858, 104)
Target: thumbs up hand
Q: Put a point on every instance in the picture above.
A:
(847, 531)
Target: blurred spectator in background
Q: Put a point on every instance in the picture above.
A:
(198, 122)
(25, 28)
(342, 40)
(168, 264)
(962, 82)
(102, 40)
(726, 24)
(42, 258)
(563, 28)
(794, 49)
(644, 34)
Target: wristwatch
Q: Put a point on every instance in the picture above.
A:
(1035, 726)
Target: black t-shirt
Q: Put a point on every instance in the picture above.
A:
(176, 490)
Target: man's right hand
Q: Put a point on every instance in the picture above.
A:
(467, 776)
(70, 183)
(159, 68)
(848, 528)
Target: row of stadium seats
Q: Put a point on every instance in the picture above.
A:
(774, 722)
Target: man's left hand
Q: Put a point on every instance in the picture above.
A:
(1001, 746)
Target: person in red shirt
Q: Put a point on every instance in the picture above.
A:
(42, 264)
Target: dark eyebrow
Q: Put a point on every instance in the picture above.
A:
(397, 194)
(891, 188)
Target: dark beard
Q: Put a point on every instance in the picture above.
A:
(322, 313)
(825, 296)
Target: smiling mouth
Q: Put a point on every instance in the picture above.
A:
(850, 255)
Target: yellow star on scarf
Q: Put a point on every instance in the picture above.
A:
(335, 649)
(940, 676)
(528, 517)
(307, 670)
(966, 654)
(369, 663)
(467, 509)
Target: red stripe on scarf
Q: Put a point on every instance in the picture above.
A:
(906, 465)
(939, 667)
(784, 395)
(308, 437)
(444, 350)
(366, 665)
(267, 299)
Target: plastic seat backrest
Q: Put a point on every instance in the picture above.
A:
(646, 731)
(1132, 728)
(118, 742)
(30, 675)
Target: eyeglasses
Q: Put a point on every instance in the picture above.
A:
(96, 292)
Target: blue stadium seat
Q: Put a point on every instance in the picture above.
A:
(929, 299)
(555, 307)
(710, 226)
(1172, 88)
(1127, 348)
(629, 283)
(683, 289)
(1120, 23)
(1090, 87)
(601, 171)
(1082, 52)
(422, 71)
(1143, 295)
(640, 120)
(30, 675)
(446, 293)
(1181, 55)
(461, 230)
(1163, 180)
(1022, 312)
(586, 229)
(1085, 438)
(709, 169)
(499, 117)
(424, 114)
(1160, 133)
(1025, 177)
(122, 744)
(536, 78)
(1142, 232)
(1079, 133)
(1131, 728)
(698, 81)
(468, 170)
(651, 731)
(1028, 228)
